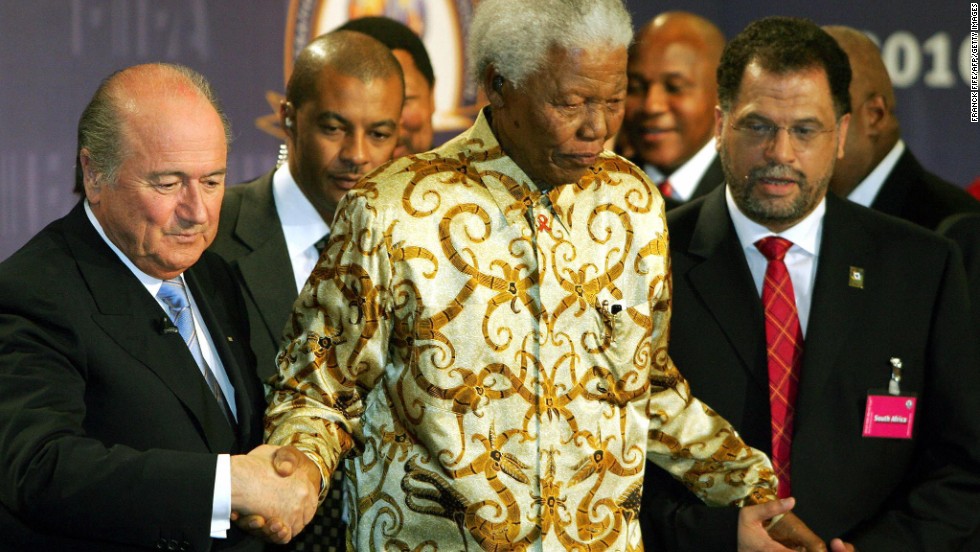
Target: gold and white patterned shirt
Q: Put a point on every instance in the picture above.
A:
(493, 359)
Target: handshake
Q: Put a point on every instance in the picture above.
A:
(274, 492)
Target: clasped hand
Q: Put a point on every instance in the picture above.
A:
(274, 492)
(757, 533)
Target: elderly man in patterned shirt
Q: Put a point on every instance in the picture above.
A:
(485, 337)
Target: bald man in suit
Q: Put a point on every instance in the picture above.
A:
(670, 104)
(128, 394)
(878, 169)
(340, 116)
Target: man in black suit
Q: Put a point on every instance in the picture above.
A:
(341, 119)
(128, 395)
(875, 303)
(670, 104)
(878, 170)
(343, 102)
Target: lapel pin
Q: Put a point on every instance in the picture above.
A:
(231, 339)
(855, 277)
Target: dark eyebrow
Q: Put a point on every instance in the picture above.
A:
(386, 123)
(345, 122)
(332, 115)
(764, 119)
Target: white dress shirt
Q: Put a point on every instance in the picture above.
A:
(221, 501)
(866, 192)
(800, 260)
(685, 179)
(302, 225)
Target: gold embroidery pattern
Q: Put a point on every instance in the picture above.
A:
(498, 383)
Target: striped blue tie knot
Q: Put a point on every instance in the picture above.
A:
(173, 295)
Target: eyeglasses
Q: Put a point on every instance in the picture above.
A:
(800, 136)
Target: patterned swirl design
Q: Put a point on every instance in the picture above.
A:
(492, 359)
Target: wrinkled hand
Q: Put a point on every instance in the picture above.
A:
(837, 545)
(274, 492)
(789, 531)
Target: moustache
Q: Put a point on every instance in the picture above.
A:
(782, 172)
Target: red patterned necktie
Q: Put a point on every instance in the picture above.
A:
(666, 189)
(784, 344)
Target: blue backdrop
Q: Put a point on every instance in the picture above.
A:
(53, 54)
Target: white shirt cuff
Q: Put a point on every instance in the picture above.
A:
(221, 503)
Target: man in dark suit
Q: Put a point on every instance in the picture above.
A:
(343, 102)
(670, 104)
(878, 170)
(341, 114)
(874, 310)
(128, 395)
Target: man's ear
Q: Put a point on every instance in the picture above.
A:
(842, 134)
(875, 112)
(90, 178)
(494, 84)
(287, 118)
(719, 126)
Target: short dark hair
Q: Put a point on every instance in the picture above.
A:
(396, 36)
(347, 52)
(784, 45)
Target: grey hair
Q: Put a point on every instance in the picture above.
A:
(100, 126)
(515, 36)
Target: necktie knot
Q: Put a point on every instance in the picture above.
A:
(321, 244)
(773, 248)
(666, 189)
(172, 293)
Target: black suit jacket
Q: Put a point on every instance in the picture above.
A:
(880, 494)
(250, 238)
(108, 431)
(912, 193)
(712, 178)
(964, 230)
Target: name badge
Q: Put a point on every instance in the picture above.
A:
(889, 416)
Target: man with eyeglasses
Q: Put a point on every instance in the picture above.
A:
(835, 338)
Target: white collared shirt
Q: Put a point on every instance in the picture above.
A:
(866, 192)
(302, 225)
(221, 501)
(684, 180)
(801, 259)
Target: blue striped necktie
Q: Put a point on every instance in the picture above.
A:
(173, 295)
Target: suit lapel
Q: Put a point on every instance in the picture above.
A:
(711, 179)
(723, 283)
(266, 270)
(135, 321)
(835, 305)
